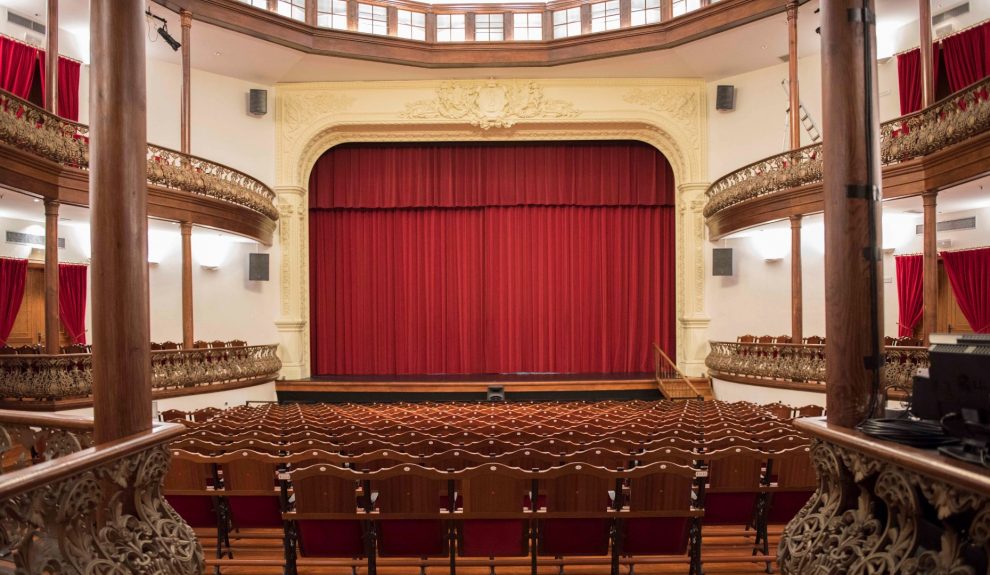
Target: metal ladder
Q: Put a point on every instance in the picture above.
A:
(806, 122)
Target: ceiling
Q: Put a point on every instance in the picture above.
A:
(746, 48)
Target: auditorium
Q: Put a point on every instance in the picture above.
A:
(501, 287)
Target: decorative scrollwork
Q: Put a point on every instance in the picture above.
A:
(950, 121)
(865, 516)
(805, 363)
(28, 127)
(58, 377)
(107, 519)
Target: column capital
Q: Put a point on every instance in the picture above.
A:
(929, 198)
(796, 221)
(185, 228)
(296, 191)
(51, 207)
(792, 10)
(186, 18)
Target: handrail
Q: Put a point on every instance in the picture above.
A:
(949, 121)
(42, 377)
(66, 142)
(659, 354)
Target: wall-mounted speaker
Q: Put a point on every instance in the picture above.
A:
(722, 261)
(258, 267)
(725, 97)
(258, 102)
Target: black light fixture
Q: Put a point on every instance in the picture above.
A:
(163, 31)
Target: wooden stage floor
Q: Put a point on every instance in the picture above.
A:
(528, 386)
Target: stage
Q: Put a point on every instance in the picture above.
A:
(518, 387)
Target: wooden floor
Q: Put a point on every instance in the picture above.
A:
(735, 548)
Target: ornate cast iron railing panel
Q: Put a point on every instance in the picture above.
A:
(888, 510)
(949, 121)
(68, 376)
(805, 363)
(93, 509)
(25, 126)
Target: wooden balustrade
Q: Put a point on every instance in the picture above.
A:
(38, 381)
(32, 130)
(951, 121)
(804, 364)
(79, 508)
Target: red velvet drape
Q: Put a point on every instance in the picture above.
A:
(909, 77)
(969, 276)
(68, 85)
(13, 274)
(576, 277)
(72, 300)
(910, 293)
(967, 56)
(17, 63)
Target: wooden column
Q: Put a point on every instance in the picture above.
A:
(117, 192)
(853, 278)
(797, 291)
(51, 59)
(930, 264)
(792, 74)
(186, 111)
(927, 65)
(187, 286)
(51, 278)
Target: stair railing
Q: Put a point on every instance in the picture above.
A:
(667, 369)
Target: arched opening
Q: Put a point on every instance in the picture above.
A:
(430, 258)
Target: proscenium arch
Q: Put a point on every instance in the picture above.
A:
(337, 134)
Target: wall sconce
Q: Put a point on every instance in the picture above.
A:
(210, 268)
(772, 244)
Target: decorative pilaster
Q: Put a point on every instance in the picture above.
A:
(186, 107)
(692, 340)
(293, 322)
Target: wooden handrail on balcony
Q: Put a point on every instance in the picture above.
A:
(53, 380)
(662, 360)
(950, 121)
(86, 510)
(802, 366)
(29, 127)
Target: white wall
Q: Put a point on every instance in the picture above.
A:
(222, 129)
(755, 129)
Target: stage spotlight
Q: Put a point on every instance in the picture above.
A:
(163, 31)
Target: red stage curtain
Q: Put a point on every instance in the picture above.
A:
(909, 77)
(72, 300)
(969, 276)
(910, 293)
(68, 86)
(967, 57)
(17, 63)
(13, 274)
(493, 289)
(473, 175)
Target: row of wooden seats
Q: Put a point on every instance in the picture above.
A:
(330, 513)
(198, 344)
(810, 340)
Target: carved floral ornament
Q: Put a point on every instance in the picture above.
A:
(865, 519)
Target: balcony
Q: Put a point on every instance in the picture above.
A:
(940, 146)
(56, 382)
(300, 31)
(48, 156)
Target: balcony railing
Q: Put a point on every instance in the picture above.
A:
(805, 363)
(73, 508)
(28, 127)
(949, 121)
(51, 378)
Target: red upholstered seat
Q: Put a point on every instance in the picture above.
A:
(729, 508)
(656, 536)
(252, 511)
(494, 538)
(412, 538)
(784, 505)
(330, 538)
(196, 510)
(575, 537)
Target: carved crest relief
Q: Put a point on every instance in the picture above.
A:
(489, 104)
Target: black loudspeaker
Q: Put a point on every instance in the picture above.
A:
(722, 261)
(496, 393)
(258, 102)
(258, 267)
(725, 98)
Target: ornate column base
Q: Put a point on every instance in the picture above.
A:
(693, 345)
(292, 348)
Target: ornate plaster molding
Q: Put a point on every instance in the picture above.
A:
(489, 103)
